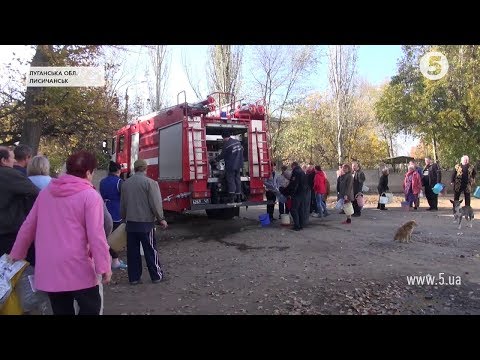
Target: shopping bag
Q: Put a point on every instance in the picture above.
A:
(360, 199)
(10, 274)
(339, 204)
(281, 198)
(30, 298)
(118, 238)
(348, 208)
(288, 204)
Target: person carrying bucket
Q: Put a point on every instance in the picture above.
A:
(346, 192)
(432, 175)
(382, 188)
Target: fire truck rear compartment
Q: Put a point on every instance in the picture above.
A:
(216, 180)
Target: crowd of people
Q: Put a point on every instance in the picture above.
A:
(305, 189)
(60, 226)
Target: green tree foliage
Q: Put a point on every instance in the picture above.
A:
(443, 112)
(309, 134)
(279, 73)
(67, 118)
(12, 104)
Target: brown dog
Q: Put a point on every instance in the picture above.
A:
(404, 232)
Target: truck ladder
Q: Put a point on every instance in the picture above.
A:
(263, 160)
(202, 149)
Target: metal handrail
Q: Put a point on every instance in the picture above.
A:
(185, 96)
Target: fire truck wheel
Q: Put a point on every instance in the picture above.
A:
(223, 214)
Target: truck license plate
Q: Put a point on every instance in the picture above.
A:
(200, 201)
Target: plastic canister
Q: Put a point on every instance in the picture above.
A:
(285, 219)
(477, 192)
(437, 189)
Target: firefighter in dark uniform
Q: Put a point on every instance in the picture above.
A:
(232, 153)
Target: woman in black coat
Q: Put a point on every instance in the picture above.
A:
(382, 187)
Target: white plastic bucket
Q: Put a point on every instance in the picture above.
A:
(285, 219)
(389, 196)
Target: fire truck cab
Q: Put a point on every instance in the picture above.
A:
(179, 142)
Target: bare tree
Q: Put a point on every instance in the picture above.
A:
(389, 137)
(278, 73)
(117, 77)
(342, 69)
(224, 69)
(194, 82)
(116, 73)
(159, 57)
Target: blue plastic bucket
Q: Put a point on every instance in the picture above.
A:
(477, 192)
(264, 219)
(437, 189)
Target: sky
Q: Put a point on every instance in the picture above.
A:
(376, 64)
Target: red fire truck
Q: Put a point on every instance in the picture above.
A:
(178, 143)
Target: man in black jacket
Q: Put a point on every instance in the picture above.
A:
(23, 156)
(297, 190)
(232, 153)
(431, 175)
(17, 196)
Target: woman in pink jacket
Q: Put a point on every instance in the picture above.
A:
(412, 184)
(66, 223)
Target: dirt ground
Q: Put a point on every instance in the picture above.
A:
(238, 267)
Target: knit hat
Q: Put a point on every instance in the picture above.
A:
(139, 163)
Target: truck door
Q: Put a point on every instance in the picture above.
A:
(134, 150)
(113, 149)
(170, 152)
(121, 153)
